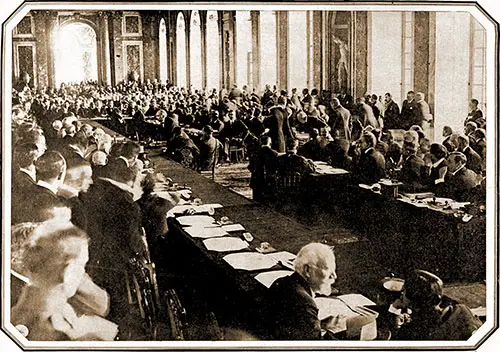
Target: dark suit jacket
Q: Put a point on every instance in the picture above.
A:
(391, 116)
(279, 129)
(292, 312)
(407, 114)
(37, 205)
(412, 170)
(370, 167)
(474, 161)
(21, 184)
(72, 157)
(458, 186)
(113, 225)
(264, 168)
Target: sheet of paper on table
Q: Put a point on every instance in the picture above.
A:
(205, 232)
(267, 278)
(250, 261)
(204, 208)
(196, 220)
(233, 227)
(282, 256)
(341, 305)
(225, 244)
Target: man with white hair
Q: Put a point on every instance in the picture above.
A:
(292, 311)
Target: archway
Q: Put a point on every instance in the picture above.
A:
(195, 50)
(163, 51)
(181, 50)
(75, 50)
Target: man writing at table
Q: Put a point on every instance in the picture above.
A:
(292, 311)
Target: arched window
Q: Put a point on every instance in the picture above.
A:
(297, 53)
(243, 48)
(268, 48)
(213, 57)
(181, 51)
(76, 53)
(195, 51)
(163, 51)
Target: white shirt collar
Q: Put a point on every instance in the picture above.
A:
(368, 149)
(120, 185)
(47, 185)
(457, 170)
(76, 149)
(436, 164)
(124, 159)
(31, 174)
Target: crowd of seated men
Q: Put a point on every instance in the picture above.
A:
(82, 207)
(80, 195)
(362, 139)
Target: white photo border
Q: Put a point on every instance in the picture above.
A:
(492, 175)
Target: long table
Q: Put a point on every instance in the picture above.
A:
(407, 234)
(236, 295)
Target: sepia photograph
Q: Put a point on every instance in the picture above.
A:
(249, 175)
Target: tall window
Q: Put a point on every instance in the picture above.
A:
(310, 49)
(297, 53)
(181, 51)
(268, 51)
(75, 54)
(213, 60)
(163, 50)
(408, 50)
(477, 86)
(195, 51)
(243, 48)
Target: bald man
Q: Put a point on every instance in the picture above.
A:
(293, 314)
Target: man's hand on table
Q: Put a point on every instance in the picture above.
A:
(334, 324)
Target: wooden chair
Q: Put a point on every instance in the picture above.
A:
(163, 313)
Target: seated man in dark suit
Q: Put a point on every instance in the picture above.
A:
(292, 313)
(338, 151)
(210, 150)
(290, 162)
(436, 167)
(74, 152)
(433, 316)
(413, 166)
(23, 175)
(369, 167)
(41, 199)
(474, 161)
(263, 169)
(459, 180)
(114, 228)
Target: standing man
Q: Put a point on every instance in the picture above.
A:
(407, 111)
(279, 127)
(391, 113)
(340, 122)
